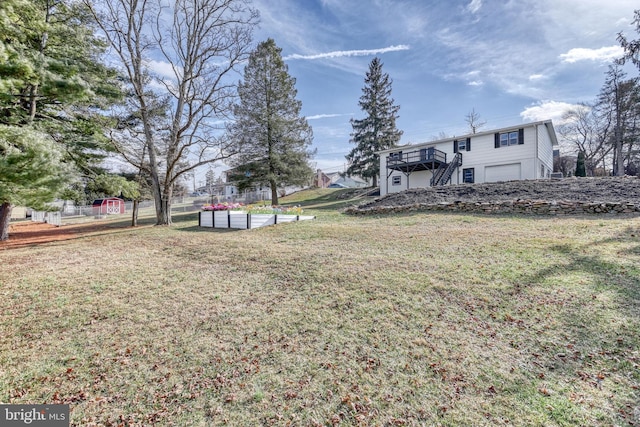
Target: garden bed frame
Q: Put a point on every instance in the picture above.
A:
(243, 220)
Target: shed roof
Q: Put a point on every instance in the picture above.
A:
(99, 201)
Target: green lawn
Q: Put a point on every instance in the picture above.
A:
(413, 319)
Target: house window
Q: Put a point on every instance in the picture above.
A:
(396, 180)
(468, 175)
(396, 156)
(506, 139)
(462, 145)
(542, 168)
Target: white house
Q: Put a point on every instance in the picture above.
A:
(515, 153)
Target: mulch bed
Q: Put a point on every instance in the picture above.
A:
(28, 233)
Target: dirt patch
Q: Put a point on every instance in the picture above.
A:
(32, 233)
(590, 190)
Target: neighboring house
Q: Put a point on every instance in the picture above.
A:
(231, 193)
(513, 153)
(338, 180)
(221, 191)
(350, 182)
(256, 193)
(321, 179)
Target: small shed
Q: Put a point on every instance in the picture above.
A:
(109, 205)
(18, 212)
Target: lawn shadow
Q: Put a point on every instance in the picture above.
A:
(198, 229)
(606, 275)
(593, 332)
(532, 217)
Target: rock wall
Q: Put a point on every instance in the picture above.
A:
(529, 207)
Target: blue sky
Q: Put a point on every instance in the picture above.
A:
(512, 61)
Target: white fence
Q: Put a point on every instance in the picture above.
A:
(68, 211)
(53, 218)
(38, 216)
(90, 210)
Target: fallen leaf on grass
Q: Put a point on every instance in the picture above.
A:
(545, 391)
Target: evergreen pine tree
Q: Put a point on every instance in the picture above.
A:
(31, 171)
(631, 47)
(377, 131)
(51, 70)
(272, 138)
(52, 87)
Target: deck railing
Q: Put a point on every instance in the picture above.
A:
(417, 156)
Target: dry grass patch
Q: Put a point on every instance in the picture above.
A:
(401, 320)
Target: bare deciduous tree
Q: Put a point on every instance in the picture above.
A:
(564, 164)
(474, 122)
(199, 43)
(588, 133)
(619, 104)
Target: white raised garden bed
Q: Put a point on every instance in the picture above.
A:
(243, 220)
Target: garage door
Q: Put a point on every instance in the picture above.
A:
(502, 173)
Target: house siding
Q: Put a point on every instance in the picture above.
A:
(535, 152)
(545, 150)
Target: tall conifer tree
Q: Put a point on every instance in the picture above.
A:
(377, 131)
(52, 87)
(272, 138)
(32, 171)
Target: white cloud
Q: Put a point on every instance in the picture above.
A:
(343, 53)
(163, 69)
(325, 116)
(546, 110)
(532, 37)
(622, 22)
(474, 6)
(602, 54)
(476, 83)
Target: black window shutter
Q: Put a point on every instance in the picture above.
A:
(455, 146)
(497, 140)
(520, 136)
(468, 144)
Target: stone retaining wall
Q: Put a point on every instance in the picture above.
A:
(528, 207)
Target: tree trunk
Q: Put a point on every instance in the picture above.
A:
(618, 155)
(274, 192)
(134, 214)
(5, 217)
(163, 207)
(164, 215)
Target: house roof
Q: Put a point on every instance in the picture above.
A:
(547, 123)
(339, 176)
